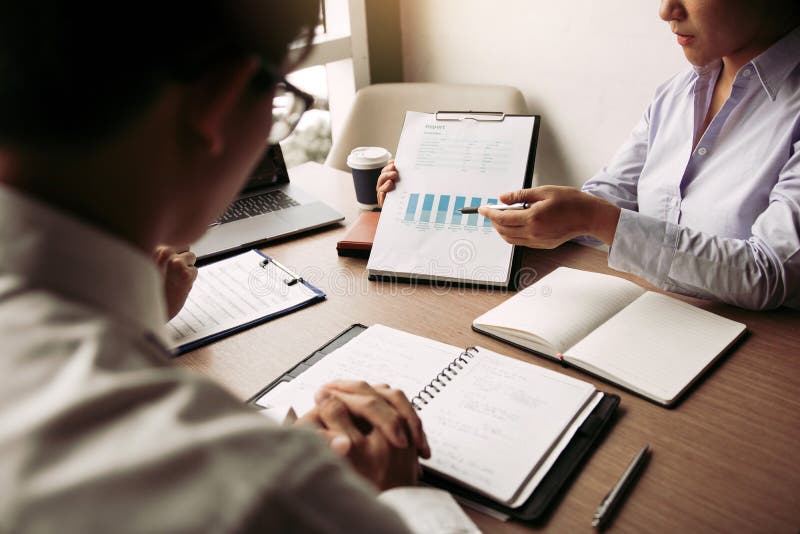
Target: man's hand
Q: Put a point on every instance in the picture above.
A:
(376, 428)
(557, 214)
(179, 273)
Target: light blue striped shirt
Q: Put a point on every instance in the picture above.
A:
(721, 221)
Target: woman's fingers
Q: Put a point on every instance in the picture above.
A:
(386, 181)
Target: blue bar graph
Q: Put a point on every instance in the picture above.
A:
(441, 211)
(411, 209)
(427, 206)
(486, 222)
(457, 214)
(472, 220)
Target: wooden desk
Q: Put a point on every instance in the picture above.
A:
(727, 459)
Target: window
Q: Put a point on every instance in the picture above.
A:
(336, 67)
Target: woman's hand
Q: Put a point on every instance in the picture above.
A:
(179, 273)
(386, 181)
(557, 214)
(376, 428)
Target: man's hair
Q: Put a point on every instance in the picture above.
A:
(74, 72)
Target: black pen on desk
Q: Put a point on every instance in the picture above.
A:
(502, 207)
(615, 496)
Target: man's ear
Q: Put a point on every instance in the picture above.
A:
(214, 98)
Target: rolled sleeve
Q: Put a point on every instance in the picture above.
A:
(761, 272)
(643, 246)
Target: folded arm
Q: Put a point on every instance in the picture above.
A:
(760, 272)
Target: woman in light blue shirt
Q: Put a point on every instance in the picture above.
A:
(704, 197)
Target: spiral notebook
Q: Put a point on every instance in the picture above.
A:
(504, 433)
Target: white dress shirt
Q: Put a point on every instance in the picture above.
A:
(98, 433)
(720, 220)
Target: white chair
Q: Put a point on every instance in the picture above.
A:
(376, 117)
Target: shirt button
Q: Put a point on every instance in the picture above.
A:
(702, 151)
(747, 73)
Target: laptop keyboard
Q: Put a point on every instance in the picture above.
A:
(257, 205)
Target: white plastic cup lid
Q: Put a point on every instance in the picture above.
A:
(368, 157)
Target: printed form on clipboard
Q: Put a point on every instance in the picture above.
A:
(238, 293)
(448, 161)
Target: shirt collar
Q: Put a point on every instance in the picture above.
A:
(773, 65)
(776, 63)
(50, 249)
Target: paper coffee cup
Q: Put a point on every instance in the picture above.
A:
(366, 163)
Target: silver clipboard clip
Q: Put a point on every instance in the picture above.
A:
(293, 278)
(477, 116)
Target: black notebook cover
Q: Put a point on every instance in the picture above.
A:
(550, 486)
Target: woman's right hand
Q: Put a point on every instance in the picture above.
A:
(386, 181)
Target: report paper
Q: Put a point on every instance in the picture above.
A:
(445, 166)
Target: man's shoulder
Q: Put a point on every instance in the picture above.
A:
(82, 402)
(51, 326)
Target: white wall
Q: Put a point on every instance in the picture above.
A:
(589, 67)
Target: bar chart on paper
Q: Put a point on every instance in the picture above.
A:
(432, 239)
(448, 164)
(427, 210)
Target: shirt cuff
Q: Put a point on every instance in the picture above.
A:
(643, 246)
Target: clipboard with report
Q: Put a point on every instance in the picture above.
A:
(235, 294)
(447, 161)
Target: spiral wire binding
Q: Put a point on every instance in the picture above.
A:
(442, 379)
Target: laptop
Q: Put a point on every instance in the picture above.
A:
(268, 207)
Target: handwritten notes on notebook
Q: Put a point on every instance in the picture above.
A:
(491, 424)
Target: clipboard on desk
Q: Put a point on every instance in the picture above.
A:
(449, 160)
(237, 293)
(564, 463)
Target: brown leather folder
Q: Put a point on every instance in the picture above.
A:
(359, 237)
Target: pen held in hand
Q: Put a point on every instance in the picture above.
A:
(611, 501)
(502, 207)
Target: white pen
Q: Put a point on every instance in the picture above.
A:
(517, 206)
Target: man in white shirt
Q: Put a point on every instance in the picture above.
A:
(122, 126)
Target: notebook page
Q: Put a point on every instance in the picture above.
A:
(656, 346)
(428, 511)
(498, 420)
(561, 308)
(233, 292)
(379, 355)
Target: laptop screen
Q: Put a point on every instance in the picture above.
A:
(271, 170)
